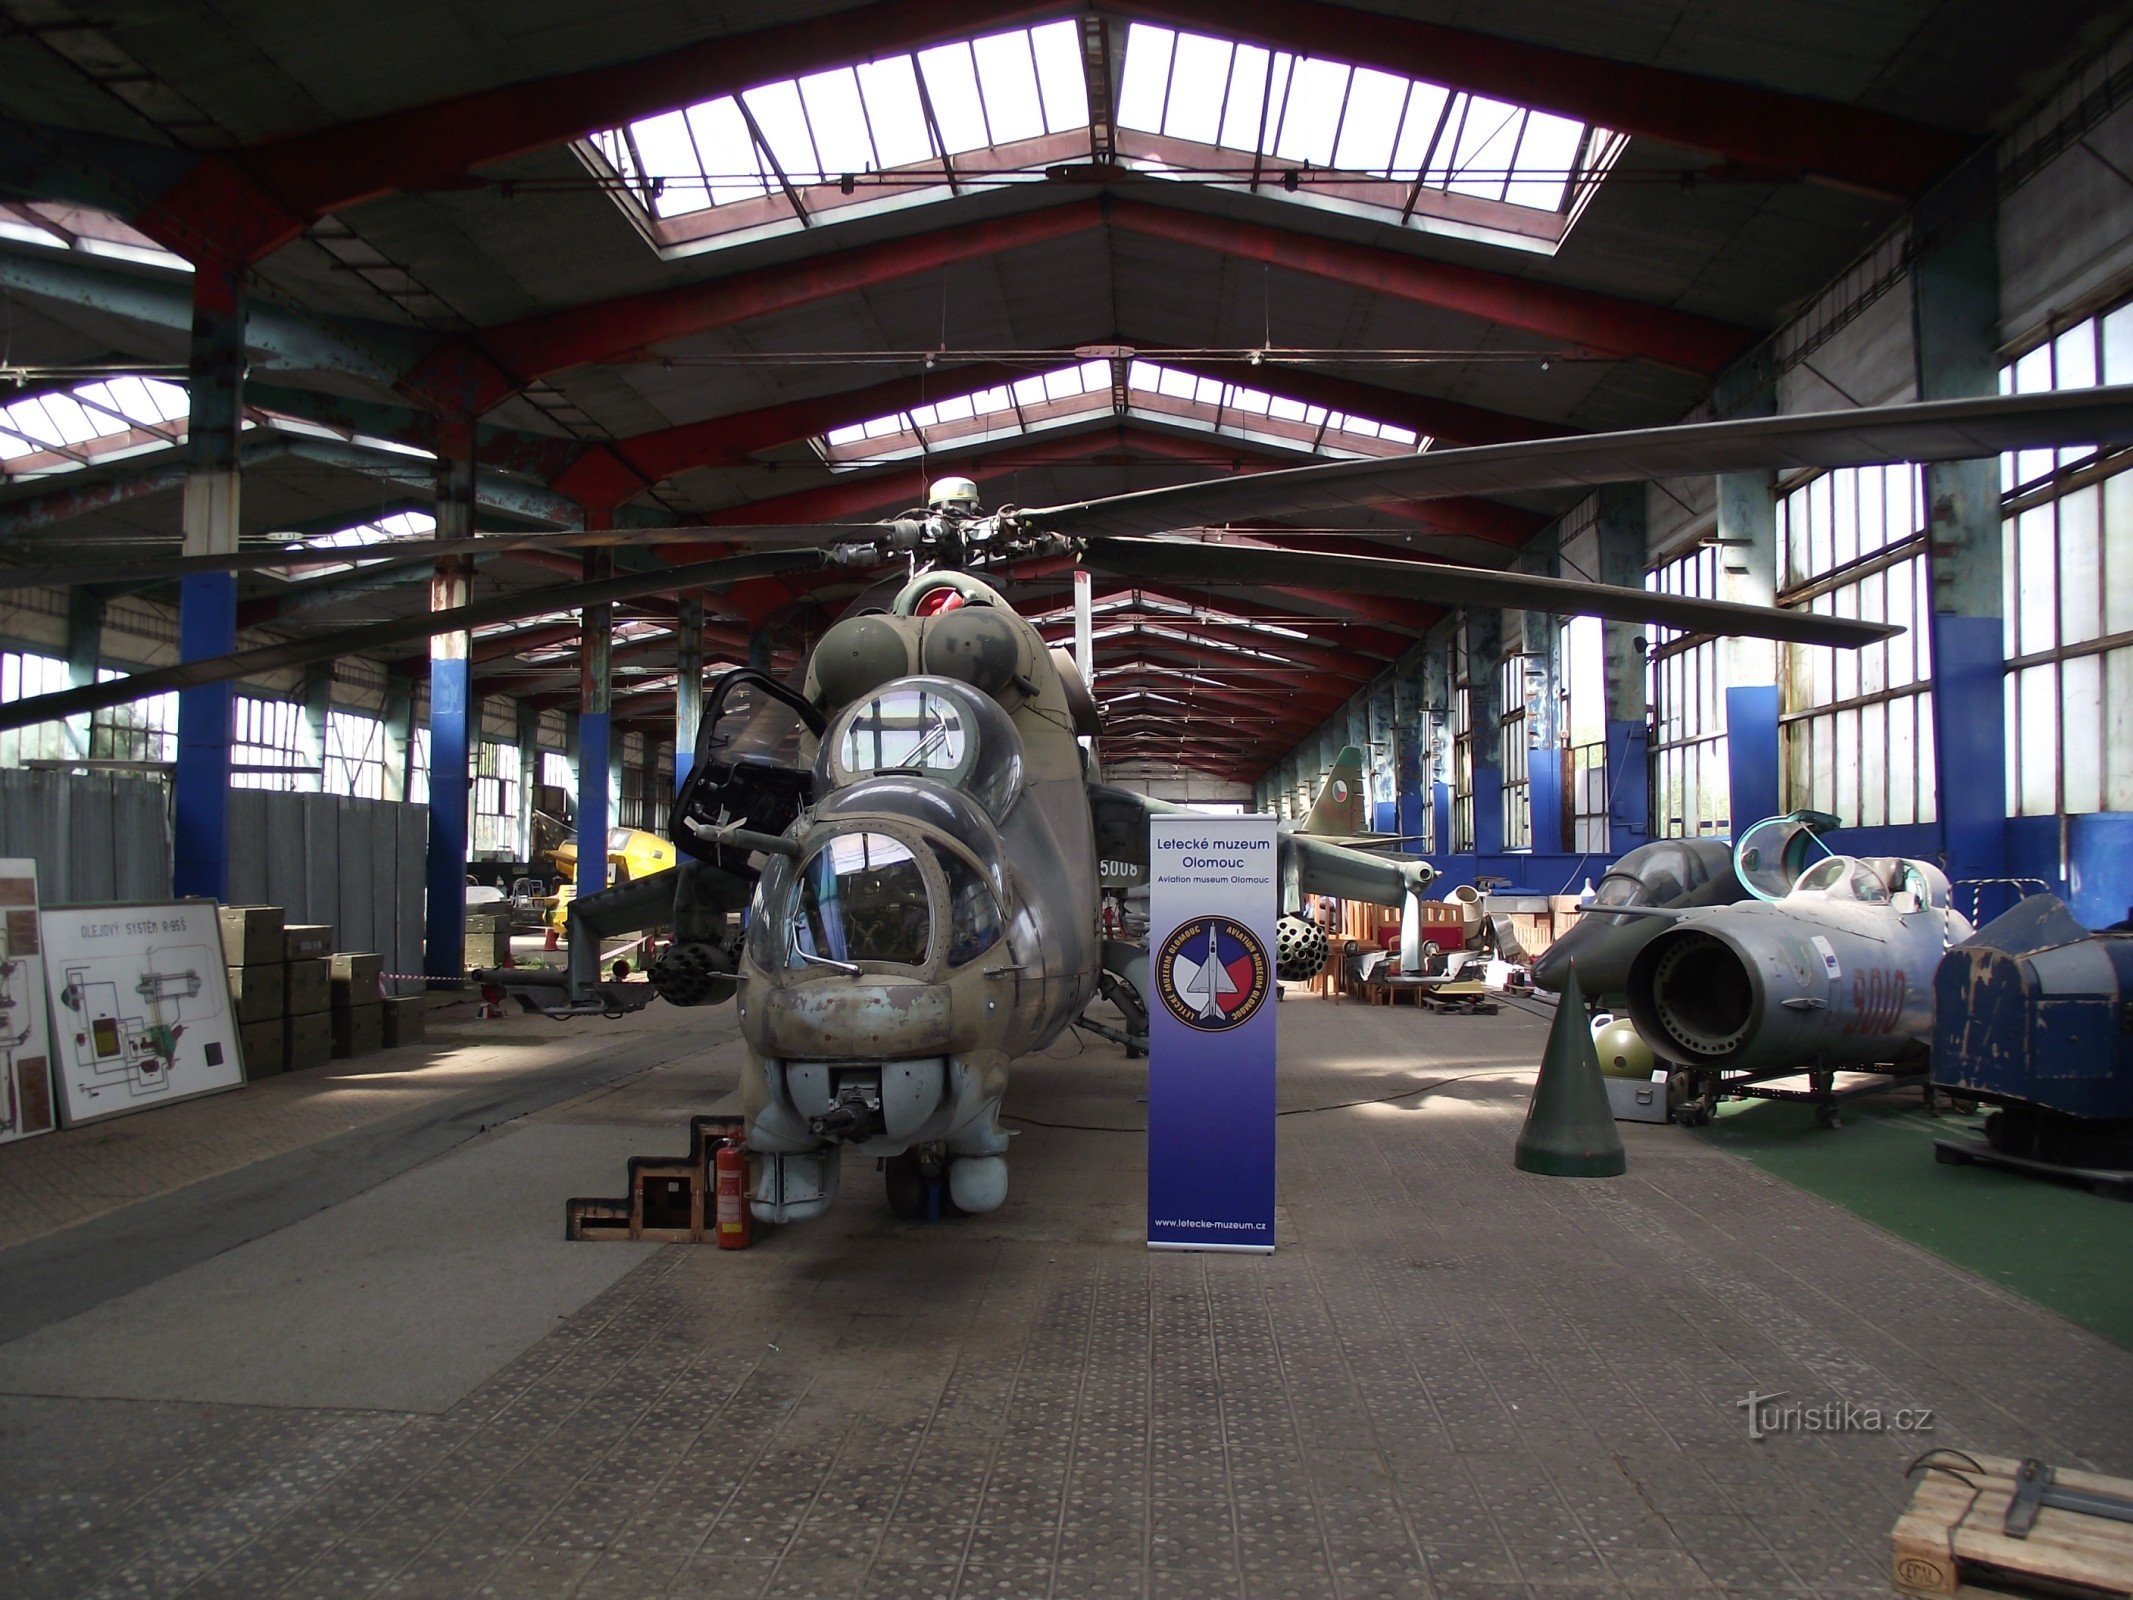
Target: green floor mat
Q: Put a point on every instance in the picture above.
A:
(2062, 1247)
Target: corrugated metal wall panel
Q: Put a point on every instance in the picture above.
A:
(94, 838)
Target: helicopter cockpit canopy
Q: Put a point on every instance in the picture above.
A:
(900, 870)
(929, 727)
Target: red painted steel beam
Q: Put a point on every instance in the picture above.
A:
(543, 346)
(1846, 146)
(512, 354)
(619, 470)
(616, 471)
(1595, 323)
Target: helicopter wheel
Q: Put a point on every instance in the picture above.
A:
(906, 1179)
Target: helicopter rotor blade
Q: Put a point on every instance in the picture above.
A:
(1936, 430)
(1202, 562)
(120, 566)
(330, 644)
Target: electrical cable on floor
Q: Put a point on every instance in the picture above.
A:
(1292, 1111)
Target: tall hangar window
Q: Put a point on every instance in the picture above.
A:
(496, 801)
(143, 730)
(859, 140)
(268, 750)
(355, 755)
(1145, 390)
(1581, 647)
(1856, 726)
(23, 674)
(1690, 789)
(2067, 558)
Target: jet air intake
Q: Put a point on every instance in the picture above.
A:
(1701, 996)
(1748, 989)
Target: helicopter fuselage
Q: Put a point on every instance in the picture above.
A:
(931, 913)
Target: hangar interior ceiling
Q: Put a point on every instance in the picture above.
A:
(703, 266)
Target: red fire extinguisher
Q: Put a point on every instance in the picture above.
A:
(735, 1224)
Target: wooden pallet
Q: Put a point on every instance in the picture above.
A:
(1950, 1540)
(1459, 1000)
(669, 1199)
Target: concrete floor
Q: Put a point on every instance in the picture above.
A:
(339, 1349)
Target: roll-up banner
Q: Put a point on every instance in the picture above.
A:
(1211, 1032)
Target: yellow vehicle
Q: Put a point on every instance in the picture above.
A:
(631, 854)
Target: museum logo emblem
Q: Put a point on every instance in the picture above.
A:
(1212, 973)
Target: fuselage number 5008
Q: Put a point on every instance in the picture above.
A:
(1877, 1001)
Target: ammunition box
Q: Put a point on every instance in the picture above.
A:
(259, 994)
(403, 1019)
(264, 1048)
(358, 1031)
(306, 941)
(355, 980)
(307, 1041)
(251, 936)
(310, 988)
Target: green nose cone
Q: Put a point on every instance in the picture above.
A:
(1569, 1131)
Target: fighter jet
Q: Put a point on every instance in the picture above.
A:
(1827, 968)
(1676, 874)
(912, 829)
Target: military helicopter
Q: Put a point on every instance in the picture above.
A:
(912, 830)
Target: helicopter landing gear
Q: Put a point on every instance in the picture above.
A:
(917, 1184)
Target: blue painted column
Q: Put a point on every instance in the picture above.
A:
(1955, 321)
(595, 728)
(688, 685)
(1747, 573)
(1752, 773)
(444, 942)
(207, 602)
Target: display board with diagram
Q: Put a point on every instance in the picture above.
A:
(140, 1007)
(25, 1041)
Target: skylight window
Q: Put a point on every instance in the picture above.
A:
(60, 225)
(1015, 108)
(358, 538)
(772, 143)
(1337, 122)
(64, 431)
(1147, 390)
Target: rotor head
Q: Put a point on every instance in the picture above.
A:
(953, 494)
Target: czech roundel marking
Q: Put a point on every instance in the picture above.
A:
(1212, 974)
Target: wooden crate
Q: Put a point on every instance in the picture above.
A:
(671, 1198)
(1950, 1540)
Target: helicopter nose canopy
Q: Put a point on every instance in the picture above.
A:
(926, 726)
(898, 869)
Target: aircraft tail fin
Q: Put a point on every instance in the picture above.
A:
(1338, 811)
